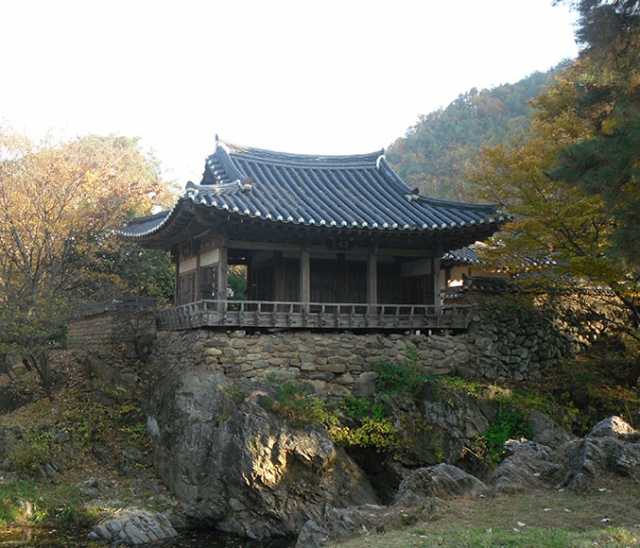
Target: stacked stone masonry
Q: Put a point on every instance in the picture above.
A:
(103, 326)
(93, 332)
(496, 348)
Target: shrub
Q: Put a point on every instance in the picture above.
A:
(405, 378)
(510, 424)
(297, 403)
(378, 433)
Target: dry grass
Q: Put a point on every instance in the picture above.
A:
(607, 515)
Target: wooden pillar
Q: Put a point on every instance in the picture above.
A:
(251, 294)
(341, 291)
(372, 277)
(305, 276)
(436, 277)
(175, 259)
(198, 281)
(278, 273)
(222, 278)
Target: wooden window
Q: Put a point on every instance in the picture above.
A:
(292, 280)
(356, 276)
(262, 286)
(208, 282)
(322, 280)
(389, 283)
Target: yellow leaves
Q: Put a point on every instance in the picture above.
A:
(58, 199)
(551, 219)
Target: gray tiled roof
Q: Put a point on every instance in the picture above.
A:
(347, 192)
(465, 255)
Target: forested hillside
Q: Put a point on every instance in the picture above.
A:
(435, 152)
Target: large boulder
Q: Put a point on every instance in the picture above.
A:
(442, 481)
(547, 432)
(611, 447)
(455, 418)
(527, 464)
(133, 527)
(237, 465)
(8, 440)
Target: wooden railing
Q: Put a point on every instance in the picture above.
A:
(312, 315)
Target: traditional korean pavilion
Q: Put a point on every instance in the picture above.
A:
(328, 241)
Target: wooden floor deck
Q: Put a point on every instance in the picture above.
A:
(312, 315)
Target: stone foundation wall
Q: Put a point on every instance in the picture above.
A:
(340, 363)
(505, 342)
(336, 363)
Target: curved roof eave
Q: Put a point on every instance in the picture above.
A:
(360, 192)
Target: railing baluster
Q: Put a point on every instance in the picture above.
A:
(294, 314)
(223, 314)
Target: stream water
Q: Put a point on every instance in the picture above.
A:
(69, 538)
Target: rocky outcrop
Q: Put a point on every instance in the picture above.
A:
(546, 432)
(133, 527)
(611, 447)
(421, 495)
(240, 467)
(455, 418)
(443, 481)
(527, 465)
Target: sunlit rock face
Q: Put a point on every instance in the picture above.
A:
(236, 465)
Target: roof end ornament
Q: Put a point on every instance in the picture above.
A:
(191, 189)
(247, 185)
(415, 194)
(379, 160)
(221, 144)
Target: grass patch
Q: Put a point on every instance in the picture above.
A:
(529, 537)
(540, 519)
(30, 503)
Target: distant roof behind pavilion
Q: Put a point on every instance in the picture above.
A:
(350, 196)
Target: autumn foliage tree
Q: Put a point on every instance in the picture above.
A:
(607, 82)
(60, 203)
(571, 183)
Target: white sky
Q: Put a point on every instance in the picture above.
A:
(325, 76)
